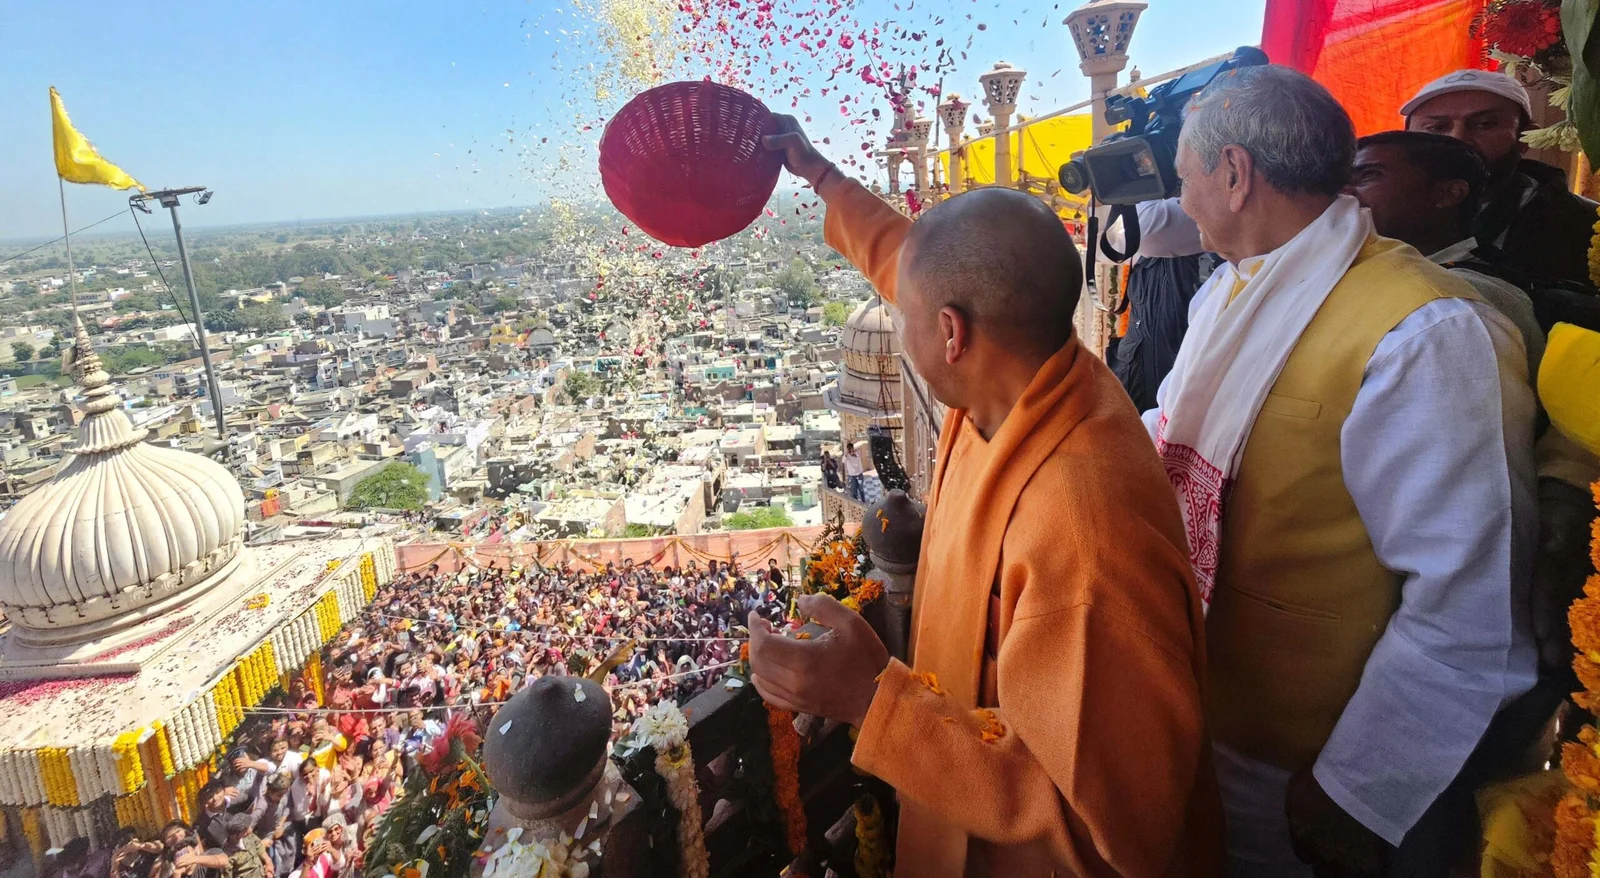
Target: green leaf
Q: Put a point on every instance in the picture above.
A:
(1583, 106)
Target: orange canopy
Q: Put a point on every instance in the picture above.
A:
(1373, 54)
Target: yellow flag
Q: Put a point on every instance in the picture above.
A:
(76, 158)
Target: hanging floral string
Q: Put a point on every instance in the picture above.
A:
(665, 729)
(786, 776)
(1594, 255)
(872, 857)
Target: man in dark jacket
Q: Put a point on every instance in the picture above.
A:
(1528, 213)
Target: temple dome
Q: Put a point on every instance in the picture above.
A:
(125, 530)
(871, 377)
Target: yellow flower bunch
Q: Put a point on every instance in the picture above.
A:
(60, 786)
(130, 771)
(259, 602)
(164, 749)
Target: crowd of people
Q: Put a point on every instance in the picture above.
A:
(306, 783)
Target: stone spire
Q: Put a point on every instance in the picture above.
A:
(105, 427)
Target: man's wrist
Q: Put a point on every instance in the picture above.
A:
(829, 171)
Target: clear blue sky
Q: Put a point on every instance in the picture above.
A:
(309, 109)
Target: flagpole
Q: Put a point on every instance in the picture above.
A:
(72, 279)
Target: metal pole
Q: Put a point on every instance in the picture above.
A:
(199, 321)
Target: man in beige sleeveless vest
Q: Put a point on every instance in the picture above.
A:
(1349, 429)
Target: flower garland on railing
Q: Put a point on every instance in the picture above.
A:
(665, 729)
(1577, 843)
(786, 776)
(871, 858)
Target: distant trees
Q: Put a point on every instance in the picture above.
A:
(51, 350)
(256, 318)
(322, 293)
(579, 386)
(21, 351)
(123, 360)
(761, 518)
(798, 282)
(396, 486)
(835, 313)
(500, 304)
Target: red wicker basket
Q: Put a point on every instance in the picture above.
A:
(685, 162)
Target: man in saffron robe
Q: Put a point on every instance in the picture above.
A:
(1050, 721)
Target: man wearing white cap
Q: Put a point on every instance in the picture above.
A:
(1528, 214)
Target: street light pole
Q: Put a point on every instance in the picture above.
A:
(169, 199)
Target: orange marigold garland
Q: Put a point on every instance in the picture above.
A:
(1574, 837)
(1576, 853)
(786, 776)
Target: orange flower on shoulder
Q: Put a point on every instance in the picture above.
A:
(928, 679)
(990, 728)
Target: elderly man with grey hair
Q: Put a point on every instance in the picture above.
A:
(1349, 429)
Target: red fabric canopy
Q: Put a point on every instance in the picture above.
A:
(1373, 54)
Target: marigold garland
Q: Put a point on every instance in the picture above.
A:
(1577, 835)
(786, 776)
(130, 771)
(1594, 274)
(871, 857)
(33, 833)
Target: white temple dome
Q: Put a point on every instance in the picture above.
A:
(871, 376)
(123, 531)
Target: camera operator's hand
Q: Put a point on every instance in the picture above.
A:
(799, 156)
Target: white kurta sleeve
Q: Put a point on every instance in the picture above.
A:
(1438, 455)
(1165, 230)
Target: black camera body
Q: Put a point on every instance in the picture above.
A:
(1137, 165)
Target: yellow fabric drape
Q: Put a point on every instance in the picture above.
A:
(1569, 384)
(1042, 147)
(77, 161)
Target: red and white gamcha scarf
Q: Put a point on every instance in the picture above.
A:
(1235, 348)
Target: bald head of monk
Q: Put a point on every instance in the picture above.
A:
(988, 283)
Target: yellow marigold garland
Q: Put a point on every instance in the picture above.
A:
(1594, 262)
(1577, 835)
(33, 833)
(369, 576)
(871, 856)
(163, 747)
(60, 786)
(130, 771)
(786, 776)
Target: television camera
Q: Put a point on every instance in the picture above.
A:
(1136, 165)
